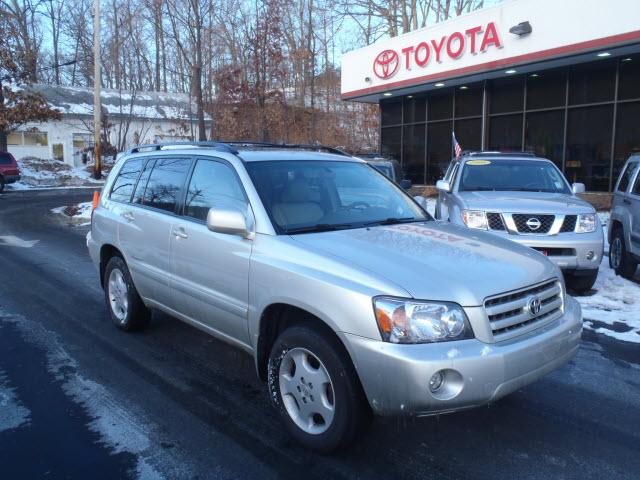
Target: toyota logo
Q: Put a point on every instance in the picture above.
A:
(534, 305)
(386, 64)
(534, 223)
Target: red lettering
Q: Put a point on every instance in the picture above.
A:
(437, 47)
(490, 37)
(407, 51)
(422, 61)
(471, 33)
(450, 51)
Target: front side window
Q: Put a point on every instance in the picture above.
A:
(213, 184)
(625, 178)
(309, 195)
(126, 180)
(165, 183)
(636, 186)
(512, 175)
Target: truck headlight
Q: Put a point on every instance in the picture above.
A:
(586, 223)
(413, 321)
(475, 219)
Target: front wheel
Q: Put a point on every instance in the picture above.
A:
(314, 387)
(583, 282)
(619, 259)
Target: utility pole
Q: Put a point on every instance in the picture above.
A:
(97, 167)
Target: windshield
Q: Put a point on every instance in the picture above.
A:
(310, 196)
(512, 175)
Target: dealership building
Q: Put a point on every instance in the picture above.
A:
(559, 78)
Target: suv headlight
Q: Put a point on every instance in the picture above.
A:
(475, 219)
(412, 321)
(586, 223)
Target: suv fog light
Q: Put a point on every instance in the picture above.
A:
(436, 381)
(590, 255)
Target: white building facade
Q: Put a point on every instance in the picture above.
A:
(129, 118)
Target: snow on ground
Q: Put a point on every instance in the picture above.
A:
(39, 173)
(79, 214)
(12, 413)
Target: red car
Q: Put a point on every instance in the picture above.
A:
(9, 171)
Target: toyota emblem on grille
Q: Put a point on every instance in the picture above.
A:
(534, 305)
(534, 223)
(386, 64)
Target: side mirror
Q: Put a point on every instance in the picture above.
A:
(443, 186)
(231, 221)
(578, 188)
(406, 184)
(420, 200)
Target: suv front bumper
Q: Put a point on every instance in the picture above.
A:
(396, 377)
(583, 246)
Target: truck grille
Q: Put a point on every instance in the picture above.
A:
(495, 221)
(569, 224)
(532, 223)
(515, 313)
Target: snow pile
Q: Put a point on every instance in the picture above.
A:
(13, 413)
(614, 310)
(79, 214)
(38, 173)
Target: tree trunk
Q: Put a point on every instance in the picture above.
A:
(3, 132)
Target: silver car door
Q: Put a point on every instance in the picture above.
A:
(211, 270)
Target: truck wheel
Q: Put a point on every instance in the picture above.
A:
(126, 309)
(313, 385)
(581, 283)
(619, 259)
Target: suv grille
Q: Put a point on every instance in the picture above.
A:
(515, 313)
(526, 223)
(569, 224)
(495, 221)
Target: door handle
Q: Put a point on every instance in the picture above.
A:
(128, 216)
(180, 233)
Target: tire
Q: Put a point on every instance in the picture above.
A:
(619, 259)
(126, 309)
(335, 410)
(581, 283)
(2, 184)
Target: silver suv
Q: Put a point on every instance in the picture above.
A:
(347, 294)
(624, 224)
(526, 199)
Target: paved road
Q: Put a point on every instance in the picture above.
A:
(80, 399)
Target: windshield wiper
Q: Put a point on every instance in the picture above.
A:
(320, 227)
(394, 221)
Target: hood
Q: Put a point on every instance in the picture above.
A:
(525, 202)
(436, 260)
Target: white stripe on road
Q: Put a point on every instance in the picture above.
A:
(13, 241)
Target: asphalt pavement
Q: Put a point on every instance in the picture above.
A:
(80, 399)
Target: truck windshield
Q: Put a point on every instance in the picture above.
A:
(303, 196)
(512, 175)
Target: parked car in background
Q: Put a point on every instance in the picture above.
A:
(391, 168)
(9, 171)
(624, 223)
(347, 294)
(526, 199)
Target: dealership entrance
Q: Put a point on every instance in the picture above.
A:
(577, 104)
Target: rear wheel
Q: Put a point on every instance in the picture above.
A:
(619, 259)
(2, 183)
(582, 282)
(314, 387)
(126, 309)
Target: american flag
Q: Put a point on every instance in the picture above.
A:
(457, 149)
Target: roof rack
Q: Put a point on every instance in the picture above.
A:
(505, 154)
(292, 146)
(151, 147)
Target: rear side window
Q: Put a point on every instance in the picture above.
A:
(625, 178)
(213, 184)
(5, 159)
(123, 186)
(165, 183)
(142, 183)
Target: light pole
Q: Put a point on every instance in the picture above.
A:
(97, 167)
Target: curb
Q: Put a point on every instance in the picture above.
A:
(37, 192)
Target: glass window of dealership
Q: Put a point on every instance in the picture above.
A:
(583, 117)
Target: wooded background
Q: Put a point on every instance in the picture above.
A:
(261, 69)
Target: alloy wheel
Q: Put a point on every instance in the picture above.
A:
(118, 295)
